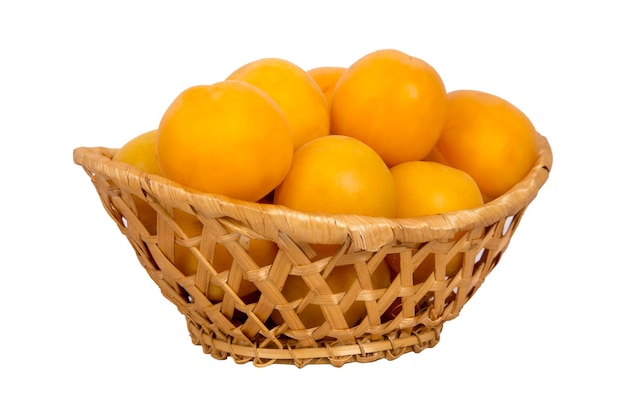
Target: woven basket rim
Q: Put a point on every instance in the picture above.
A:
(367, 233)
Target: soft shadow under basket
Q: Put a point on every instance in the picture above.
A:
(262, 324)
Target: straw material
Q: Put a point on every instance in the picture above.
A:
(178, 235)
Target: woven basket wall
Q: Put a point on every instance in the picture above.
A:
(261, 324)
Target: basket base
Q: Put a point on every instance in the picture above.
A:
(326, 352)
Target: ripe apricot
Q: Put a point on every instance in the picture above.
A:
(427, 188)
(338, 174)
(295, 92)
(228, 138)
(140, 152)
(489, 138)
(394, 102)
(326, 78)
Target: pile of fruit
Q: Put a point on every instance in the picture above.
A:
(382, 137)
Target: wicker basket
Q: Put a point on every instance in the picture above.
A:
(265, 327)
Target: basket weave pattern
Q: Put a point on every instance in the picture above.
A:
(404, 317)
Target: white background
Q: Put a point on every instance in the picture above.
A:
(86, 332)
